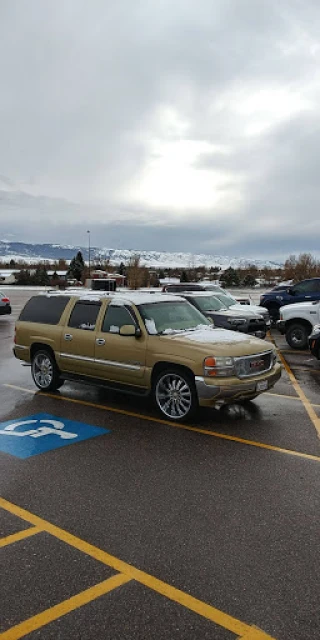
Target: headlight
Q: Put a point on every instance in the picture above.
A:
(236, 321)
(219, 366)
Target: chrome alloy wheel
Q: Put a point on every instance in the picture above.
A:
(174, 396)
(43, 370)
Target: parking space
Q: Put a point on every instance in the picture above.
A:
(203, 530)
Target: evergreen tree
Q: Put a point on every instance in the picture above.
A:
(184, 277)
(230, 278)
(76, 267)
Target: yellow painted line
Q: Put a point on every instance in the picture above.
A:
(176, 595)
(310, 369)
(306, 403)
(282, 395)
(20, 535)
(63, 608)
(214, 434)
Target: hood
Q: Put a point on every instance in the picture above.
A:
(297, 306)
(248, 310)
(222, 341)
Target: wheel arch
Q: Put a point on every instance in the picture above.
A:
(306, 323)
(167, 364)
(41, 346)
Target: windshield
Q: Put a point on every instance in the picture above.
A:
(178, 316)
(226, 300)
(208, 303)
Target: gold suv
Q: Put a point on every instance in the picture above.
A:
(145, 343)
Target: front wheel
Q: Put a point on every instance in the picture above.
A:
(175, 395)
(45, 372)
(297, 336)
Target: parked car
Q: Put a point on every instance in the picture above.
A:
(230, 302)
(297, 322)
(5, 306)
(236, 320)
(304, 291)
(314, 341)
(199, 286)
(150, 344)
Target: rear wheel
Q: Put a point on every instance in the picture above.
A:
(45, 372)
(175, 395)
(297, 336)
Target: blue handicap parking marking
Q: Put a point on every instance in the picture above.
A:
(31, 435)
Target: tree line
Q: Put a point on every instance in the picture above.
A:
(295, 268)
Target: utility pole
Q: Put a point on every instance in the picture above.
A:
(88, 232)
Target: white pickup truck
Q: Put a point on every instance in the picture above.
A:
(297, 321)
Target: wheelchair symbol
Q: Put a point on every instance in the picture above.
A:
(55, 429)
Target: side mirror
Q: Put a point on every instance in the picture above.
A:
(291, 292)
(130, 330)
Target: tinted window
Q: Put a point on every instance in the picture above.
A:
(115, 318)
(175, 288)
(207, 303)
(315, 285)
(44, 309)
(84, 315)
(302, 287)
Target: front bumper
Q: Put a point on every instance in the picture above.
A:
(226, 390)
(6, 310)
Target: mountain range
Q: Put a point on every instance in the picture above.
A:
(32, 253)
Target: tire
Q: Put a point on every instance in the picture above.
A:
(174, 394)
(45, 372)
(297, 336)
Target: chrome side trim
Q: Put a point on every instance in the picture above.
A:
(120, 365)
(73, 357)
(21, 346)
(108, 363)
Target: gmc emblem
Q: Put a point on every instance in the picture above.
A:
(256, 364)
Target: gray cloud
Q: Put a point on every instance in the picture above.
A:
(97, 99)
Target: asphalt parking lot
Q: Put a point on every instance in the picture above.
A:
(145, 529)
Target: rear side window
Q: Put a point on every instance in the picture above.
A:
(44, 309)
(84, 315)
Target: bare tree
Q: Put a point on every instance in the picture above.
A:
(135, 273)
(305, 266)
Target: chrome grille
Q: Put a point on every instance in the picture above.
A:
(250, 366)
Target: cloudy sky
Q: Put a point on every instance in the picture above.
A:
(177, 125)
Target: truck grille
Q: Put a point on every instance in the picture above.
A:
(256, 324)
(250, 366)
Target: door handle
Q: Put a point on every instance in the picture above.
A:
(67, 336)
(100, 341)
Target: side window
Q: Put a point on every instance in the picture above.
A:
(302, 287)
(115, 318)
(44, 309)
(315, 286)
(84, 315)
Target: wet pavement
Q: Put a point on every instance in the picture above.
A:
(205, 530)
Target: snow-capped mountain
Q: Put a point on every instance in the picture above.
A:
(34, 252)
